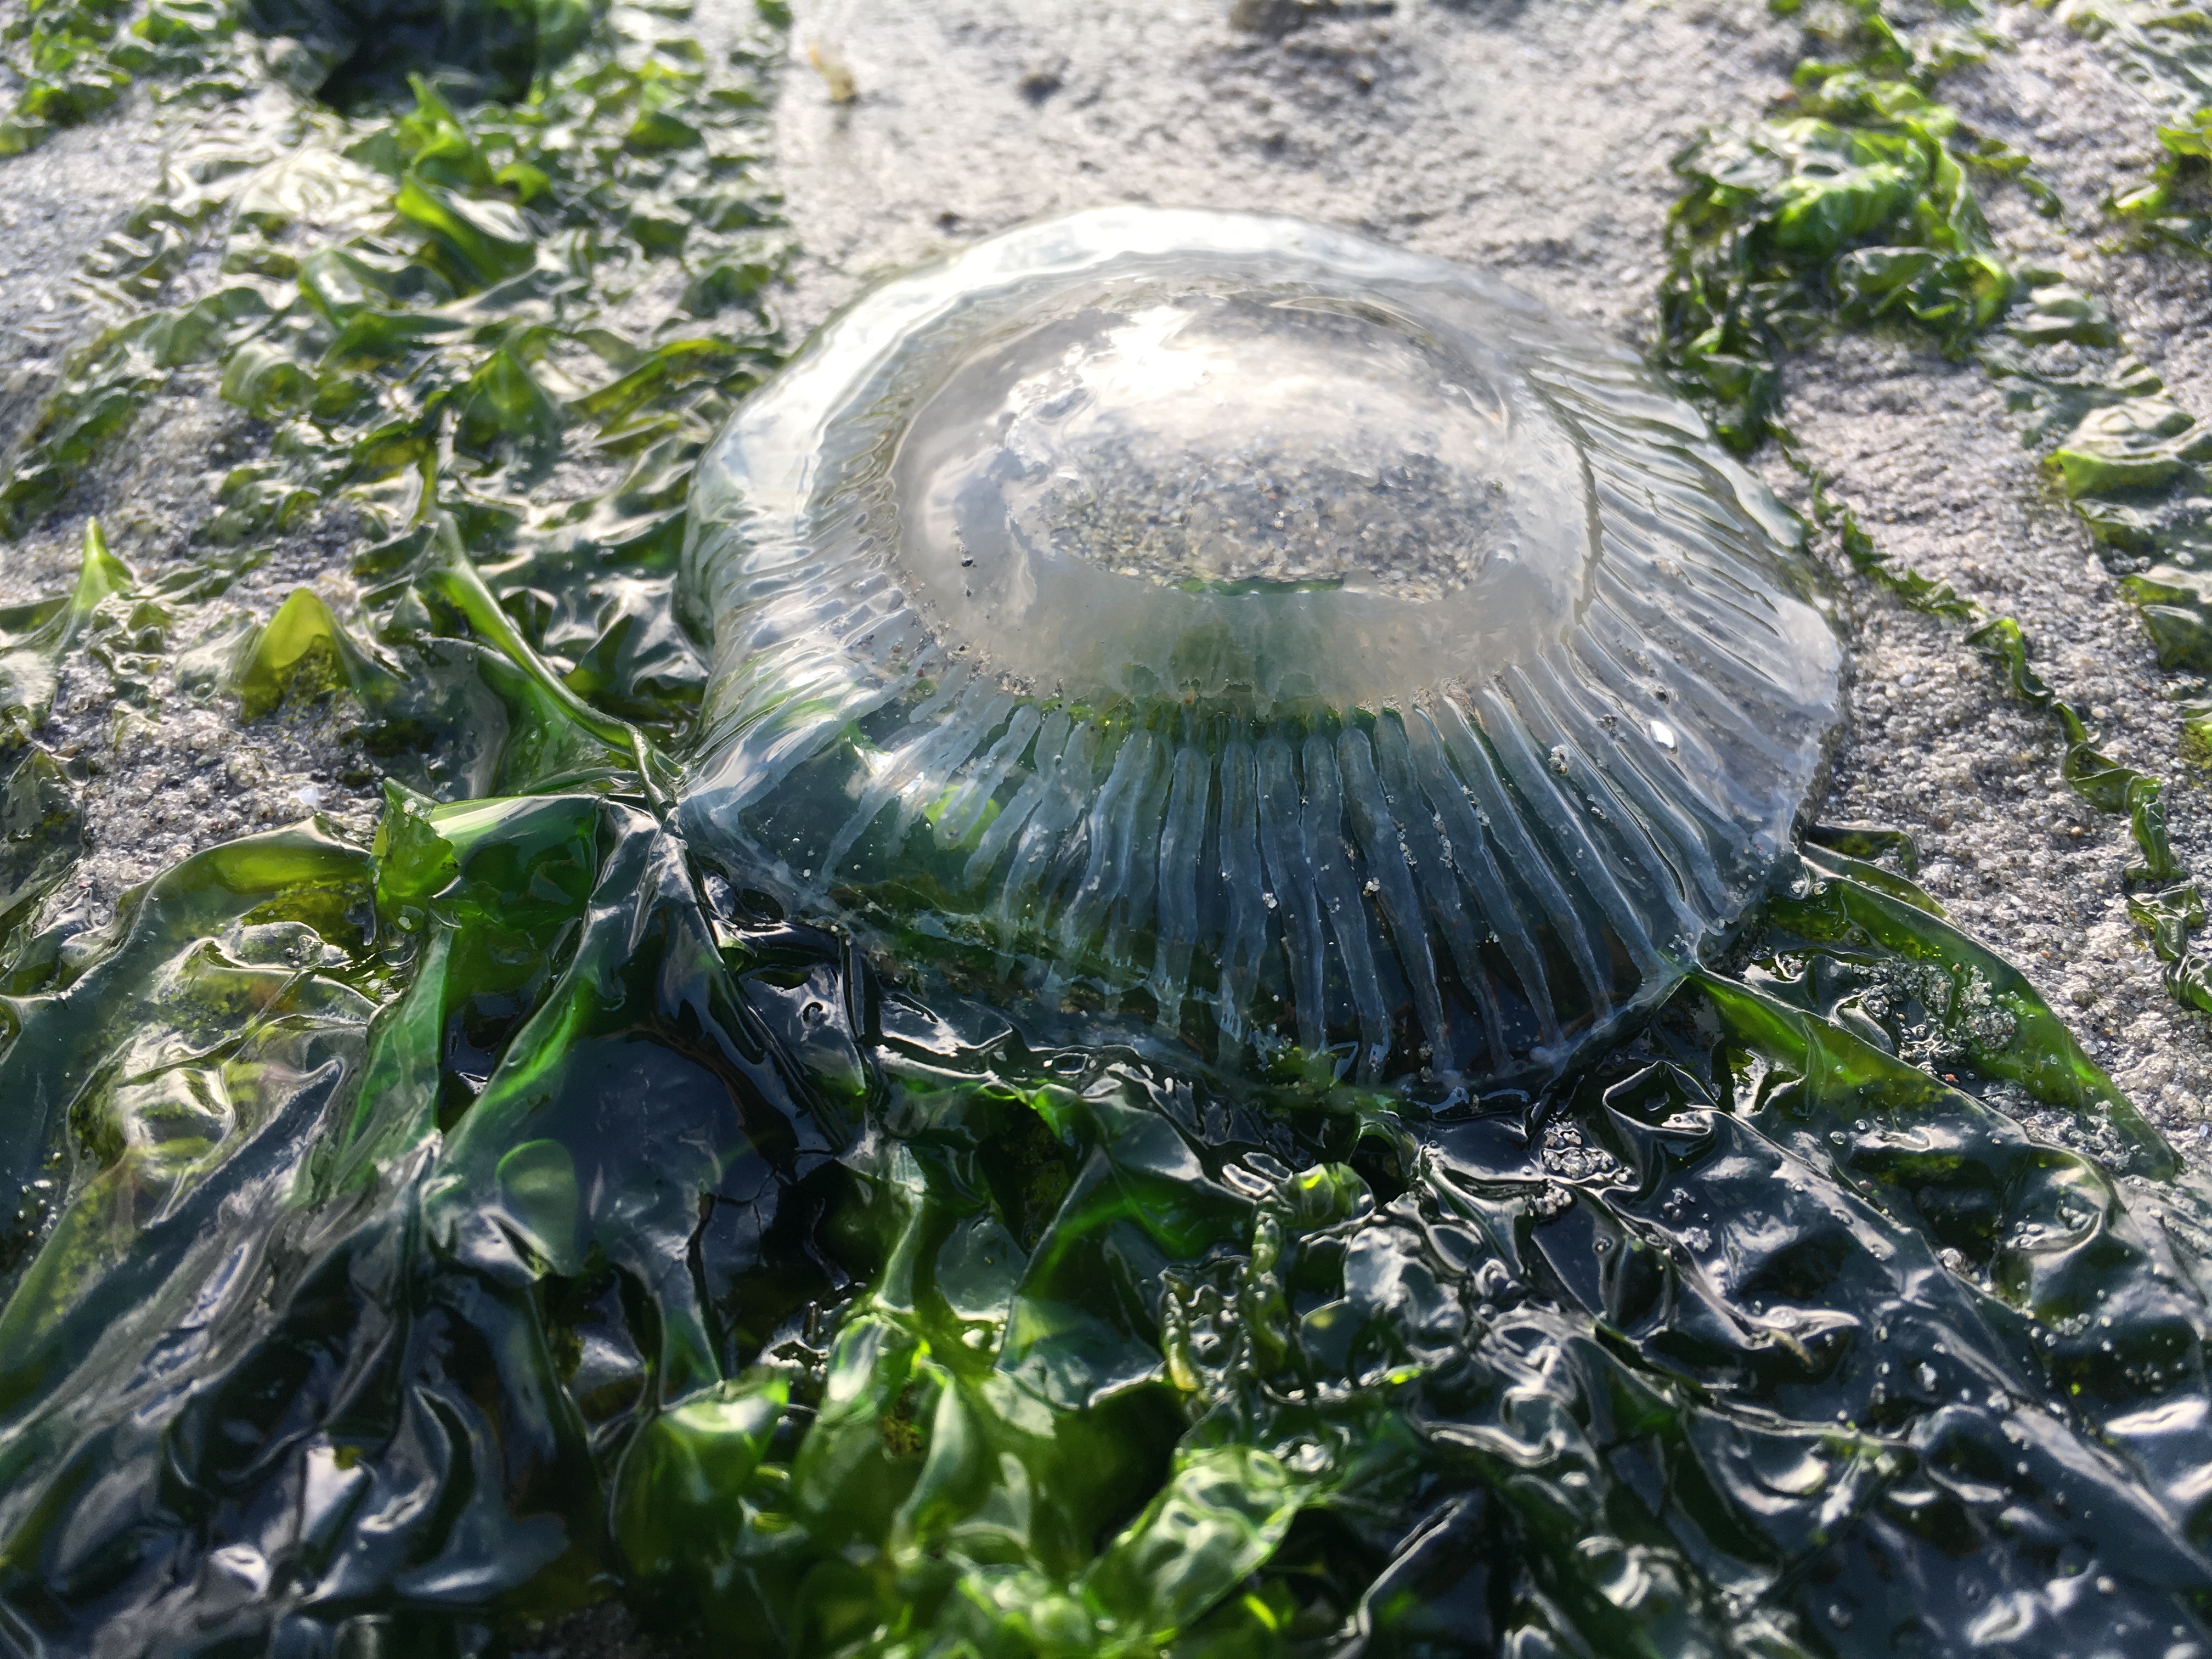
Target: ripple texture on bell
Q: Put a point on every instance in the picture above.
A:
(1234, 626)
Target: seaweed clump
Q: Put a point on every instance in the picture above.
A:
(424, 1241)
(489, 48)
(1857, 204)
(74, 59)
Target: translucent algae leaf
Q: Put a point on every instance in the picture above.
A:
(1237, 625)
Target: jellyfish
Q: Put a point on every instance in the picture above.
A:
(1248, 636)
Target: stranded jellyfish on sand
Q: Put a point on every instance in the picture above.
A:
(1244, 629)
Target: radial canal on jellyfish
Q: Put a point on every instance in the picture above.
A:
(1253, 634)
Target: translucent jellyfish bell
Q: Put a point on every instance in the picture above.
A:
(1240, 627)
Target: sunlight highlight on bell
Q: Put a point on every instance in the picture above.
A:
(1257, 634)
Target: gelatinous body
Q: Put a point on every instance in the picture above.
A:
(1248, 629)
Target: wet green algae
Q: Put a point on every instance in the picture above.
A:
(75, 60)
(353, 1300)
(1855, 206)
(884, 1332)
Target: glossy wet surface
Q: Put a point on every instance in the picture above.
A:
(1213, 773)
(412, 1242)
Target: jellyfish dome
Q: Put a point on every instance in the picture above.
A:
(1254, 634)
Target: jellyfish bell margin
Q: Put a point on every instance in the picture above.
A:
(1237, 634)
